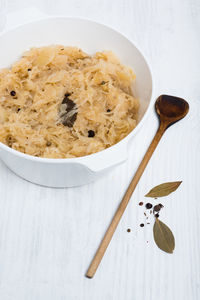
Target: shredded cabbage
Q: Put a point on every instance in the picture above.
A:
(32, 107)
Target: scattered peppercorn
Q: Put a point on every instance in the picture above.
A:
(141, 225)
(141, 203)
(91, 133)
(108, 110)
(29, 69)
(157, 207)
(48, 144)
(128, 230)
(148, 206)
(13, 93)
(157, 215)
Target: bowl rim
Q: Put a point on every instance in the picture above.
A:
(83, 159)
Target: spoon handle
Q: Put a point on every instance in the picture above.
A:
(115, 221)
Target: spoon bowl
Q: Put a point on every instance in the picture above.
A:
(171, 109)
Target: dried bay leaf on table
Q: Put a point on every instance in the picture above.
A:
(163, 189)
(163, 236)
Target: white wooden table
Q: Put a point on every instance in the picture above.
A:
(48, 236)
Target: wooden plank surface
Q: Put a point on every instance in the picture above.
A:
(48, 236)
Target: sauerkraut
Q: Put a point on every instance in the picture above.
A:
(59, 102)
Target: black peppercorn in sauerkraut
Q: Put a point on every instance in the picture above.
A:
(60, 102)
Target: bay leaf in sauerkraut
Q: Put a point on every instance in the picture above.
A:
(32, 111)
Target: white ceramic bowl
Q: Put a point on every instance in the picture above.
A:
(91, 37)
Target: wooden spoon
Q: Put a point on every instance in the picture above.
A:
(170, 110)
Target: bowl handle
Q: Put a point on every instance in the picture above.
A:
(115, 155)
